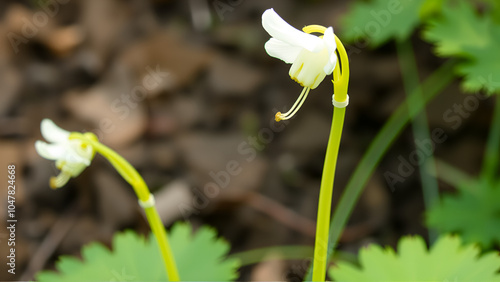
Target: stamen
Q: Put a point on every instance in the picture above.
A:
(296, 106)
(60, 180)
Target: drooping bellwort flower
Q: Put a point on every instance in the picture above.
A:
(312, 57)
(71, 156)
(74, 151)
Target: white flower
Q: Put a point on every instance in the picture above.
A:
(312, 57)
(71, 156)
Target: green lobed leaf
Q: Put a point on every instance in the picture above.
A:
(447, 260)
(378, 21)
(199, 257)
(462, 32)
(458, 27)
(474, 213)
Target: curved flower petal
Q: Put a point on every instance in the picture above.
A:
(72, 157)
(50, 151)
(53, 133)
(331, 45)
(282, 50)
(330, 65)
(281, 30)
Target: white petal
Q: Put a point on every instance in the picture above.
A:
(329, 40)
(281, 50)
(53, 133)
(282, 31)
(331, 45)
(50, 151)
(74, 169)
(73, 156)
(330, 65)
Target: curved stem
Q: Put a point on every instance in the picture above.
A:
(420, 126)
(490, 161)
(385, 137)
(320, 258)
(130, 174)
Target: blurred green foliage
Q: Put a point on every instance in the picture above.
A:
(455, 27)
(199, 257)
(447, 260)
(474, 212)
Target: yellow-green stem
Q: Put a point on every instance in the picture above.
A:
(130, 174)
(341, 80)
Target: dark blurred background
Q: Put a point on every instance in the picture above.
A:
(185, 91)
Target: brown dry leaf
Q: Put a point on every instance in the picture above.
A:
(231, 77)
(176, 61)
(104, 23)
(114, 121)
(64, 40)
(117, 205)
(163, 155)
(28, 25)
(221, 172)
(209, 152)
(179, 113)
(17, 18)
(172, 200)
(10, 80)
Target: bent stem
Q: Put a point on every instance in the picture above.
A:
(128, 172)
(490, 161)
(376, 150)
(379, 146)
(340, 83)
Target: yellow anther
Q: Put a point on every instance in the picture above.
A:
(277, 117)
(53, 182)
(59, 180)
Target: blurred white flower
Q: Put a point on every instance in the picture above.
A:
(312, 57)
(71, 156)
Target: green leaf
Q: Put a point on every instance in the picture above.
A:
(447, 260)
(474, 213)
(378, 21)
(457, 28)
(461, 32)
(199, 257)
(482, 70)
